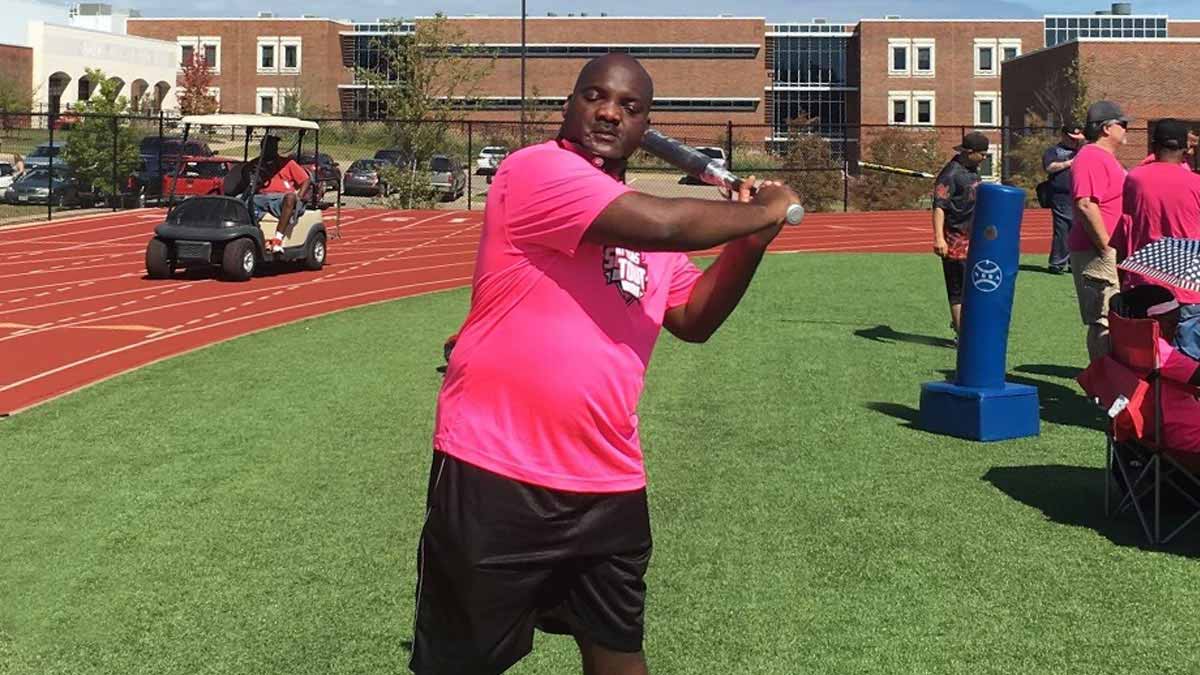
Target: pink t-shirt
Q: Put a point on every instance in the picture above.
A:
(1152, 158)
(1181, 410)
(544, 381)
(1160, 201)
(1097, 175)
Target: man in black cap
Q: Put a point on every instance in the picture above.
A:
(1097, 184)
(1057, 163)
(953, 211)
(1160, 201)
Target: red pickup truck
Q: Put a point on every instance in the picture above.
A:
(198, 176)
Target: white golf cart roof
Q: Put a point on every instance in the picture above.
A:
(260, 121)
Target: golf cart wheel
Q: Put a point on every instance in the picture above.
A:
(239, 260)
(158, 259)
(314, 255)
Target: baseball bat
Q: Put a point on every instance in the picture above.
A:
(701, 167)
(893, 169)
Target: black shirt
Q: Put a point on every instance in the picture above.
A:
(1060, 182)
(954, 192)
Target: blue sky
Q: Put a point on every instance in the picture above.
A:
(777, 10)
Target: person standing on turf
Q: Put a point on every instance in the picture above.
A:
(536, 508)
(1097, 187)
(954, 195)
(1057, 163)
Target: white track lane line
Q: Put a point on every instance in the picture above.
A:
(232, 295)
(147, 340)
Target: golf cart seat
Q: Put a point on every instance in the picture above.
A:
(237, 181)
(299, 234)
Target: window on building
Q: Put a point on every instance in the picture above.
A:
(266, 59)
(987, 108)
(898, 107)
(985, 61)
(898, 57)
(923, 102)
(290, 56)
(266, 104)
(210, 55)
(924, 59)
(186, 54)
(1009, 49)
(987, 168)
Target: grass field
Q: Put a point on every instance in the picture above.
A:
(254, 507)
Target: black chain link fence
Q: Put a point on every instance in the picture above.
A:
(52, 163)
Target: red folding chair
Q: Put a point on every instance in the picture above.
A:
(1138, 467)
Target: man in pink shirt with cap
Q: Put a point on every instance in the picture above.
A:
(536, 511)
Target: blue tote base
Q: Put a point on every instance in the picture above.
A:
(980, 414)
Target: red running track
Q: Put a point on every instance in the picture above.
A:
(76, 308)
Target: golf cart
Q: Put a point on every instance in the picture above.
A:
(221, 229)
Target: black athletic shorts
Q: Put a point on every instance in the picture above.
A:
(499, 557)
(955, 272)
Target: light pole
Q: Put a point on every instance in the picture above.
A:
(522, 73)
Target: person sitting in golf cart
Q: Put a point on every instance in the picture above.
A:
(283, 183)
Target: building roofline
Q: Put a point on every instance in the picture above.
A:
(95, 31)
(241, 18)
(1103, 40)
(913, 20)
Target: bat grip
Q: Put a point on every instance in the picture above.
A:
(795, 212)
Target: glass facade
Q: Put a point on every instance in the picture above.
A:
(809, 79)
(1060, 29)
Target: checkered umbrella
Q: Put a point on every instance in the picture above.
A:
(1175, 262)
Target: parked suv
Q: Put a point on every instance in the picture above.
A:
(41, 155)
(326, 173)
(393, 157)
(447, 177)
(198, 176)
(488, 159)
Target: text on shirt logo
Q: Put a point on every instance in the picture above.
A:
(625, 269)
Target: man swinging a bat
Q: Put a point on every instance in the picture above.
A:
(536, 505)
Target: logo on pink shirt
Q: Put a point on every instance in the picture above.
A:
(625, 269)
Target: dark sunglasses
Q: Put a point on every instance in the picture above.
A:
(1123, 124)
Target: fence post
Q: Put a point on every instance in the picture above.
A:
(50, 192)
(729, 144)
(1005, 144)
(845, 179)
(158, 172)
(470, 161)
(116, 188)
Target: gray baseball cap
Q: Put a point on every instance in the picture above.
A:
(1105, 111)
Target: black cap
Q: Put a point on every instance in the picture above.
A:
(974, 142)
(1072, 128)
(1105, 111)
(1171, 134)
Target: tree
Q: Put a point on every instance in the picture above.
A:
(297, 102)
(103, 143)
(914, 149)
(14, 98)
(1063, 95)
(422, 78)
(1025, 157)
(195, 83)
(811, 170)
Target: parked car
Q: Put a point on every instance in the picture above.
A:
(41, 154)
(394, 157)
(66, 120)
(712, 151)
(363, 179)
(41, 185)
(488, 159)
(173, 146)
(7, 174)
(198, 176)
(447, 177)
(326, 173)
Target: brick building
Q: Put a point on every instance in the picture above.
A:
(851, 78)
(258, 63)
(1151, 80)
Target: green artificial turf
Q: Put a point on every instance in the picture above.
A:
(254, 507)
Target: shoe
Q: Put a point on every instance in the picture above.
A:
(275, 245)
